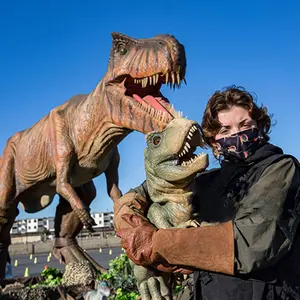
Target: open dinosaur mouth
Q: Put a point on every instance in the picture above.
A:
(194, 139)
(146, 92)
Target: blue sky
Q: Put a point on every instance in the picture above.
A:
(52, 50)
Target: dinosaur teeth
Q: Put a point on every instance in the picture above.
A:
(159, 115)
(177, 114)
(191, 160)
(193, 128)
(174, 113)
(156, 76)
(178, 79)
(172, 79)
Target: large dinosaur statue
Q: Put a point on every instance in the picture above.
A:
(77, 141)
(171, 166)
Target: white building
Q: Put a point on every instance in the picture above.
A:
(39, 225)
(33, 225)
(103, 219)
(19, 227)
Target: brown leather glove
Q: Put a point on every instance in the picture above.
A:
(131, 203)
(208, 248)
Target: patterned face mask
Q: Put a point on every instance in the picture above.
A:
(240, 145)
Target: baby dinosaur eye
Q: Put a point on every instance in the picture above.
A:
(156, 140)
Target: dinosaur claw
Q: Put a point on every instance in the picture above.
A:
(86, 218)
(91, 229)
(89, 225)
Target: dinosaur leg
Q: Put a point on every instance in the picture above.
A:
(7, 218)
(8, 206)
(152, 284)
(63, 155)
(67, 227)
(112, 177)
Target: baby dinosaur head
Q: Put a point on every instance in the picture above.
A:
(170, 153)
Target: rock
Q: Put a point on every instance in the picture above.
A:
(79, 278)
(13, 287)
(39, 293)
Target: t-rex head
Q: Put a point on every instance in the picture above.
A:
(169, 154)
(136, 71)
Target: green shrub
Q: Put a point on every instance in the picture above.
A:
(121, 279)
(51, 277)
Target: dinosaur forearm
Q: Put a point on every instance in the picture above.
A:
(112, 177)
(63, 155)
(63, 152)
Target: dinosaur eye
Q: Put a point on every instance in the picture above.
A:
(122, 51)
(156, 140)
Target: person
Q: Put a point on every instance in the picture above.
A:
(252, 251)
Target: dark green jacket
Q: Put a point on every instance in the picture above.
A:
(265, 222)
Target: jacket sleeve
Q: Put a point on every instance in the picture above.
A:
(266, 221)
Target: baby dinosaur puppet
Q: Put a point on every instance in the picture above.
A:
(171, 166)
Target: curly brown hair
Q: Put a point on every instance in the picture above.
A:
(226, 98)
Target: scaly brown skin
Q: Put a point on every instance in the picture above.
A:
(77, 141)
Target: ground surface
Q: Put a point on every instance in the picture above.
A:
(24, 261)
